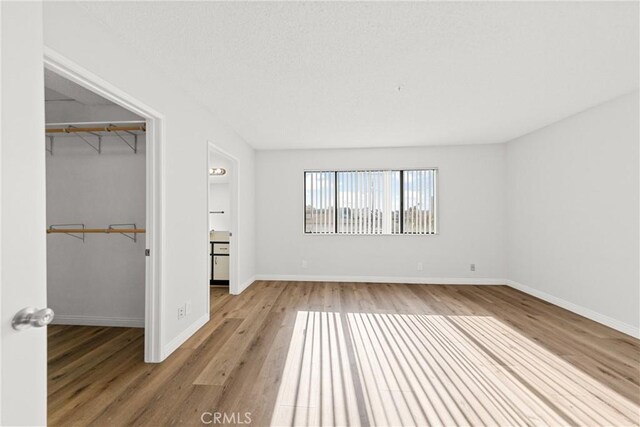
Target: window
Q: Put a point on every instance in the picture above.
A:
(371, 202)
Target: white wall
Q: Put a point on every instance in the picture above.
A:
(219, 200)
(573, 212)
(73, 111)
(471, 217)
(187, 127)
(101, 280)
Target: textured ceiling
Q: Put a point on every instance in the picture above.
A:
(335, 74)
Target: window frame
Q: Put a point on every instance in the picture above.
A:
(436, 198)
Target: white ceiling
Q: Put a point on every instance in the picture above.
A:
(336, 74)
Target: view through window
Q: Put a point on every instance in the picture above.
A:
(371, 202)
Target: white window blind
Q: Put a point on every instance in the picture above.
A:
(371, 202)
(365, 202)
(419, 200)
(320, 194)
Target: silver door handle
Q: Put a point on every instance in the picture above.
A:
(32, 317)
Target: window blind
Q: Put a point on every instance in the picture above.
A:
(371, 202)
(320, 202)
(419, 201)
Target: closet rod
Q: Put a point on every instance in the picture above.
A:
(96, 230)
(108, 128)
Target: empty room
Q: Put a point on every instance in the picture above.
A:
(307, 213)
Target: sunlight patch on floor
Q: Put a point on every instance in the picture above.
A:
(404, 369)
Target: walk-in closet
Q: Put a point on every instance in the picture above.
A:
(96, 202)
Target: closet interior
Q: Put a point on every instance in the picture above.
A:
(96, 208)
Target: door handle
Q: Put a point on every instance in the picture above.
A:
(32, 317)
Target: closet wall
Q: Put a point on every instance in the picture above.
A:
(100, 281)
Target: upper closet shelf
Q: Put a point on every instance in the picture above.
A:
(128, 132)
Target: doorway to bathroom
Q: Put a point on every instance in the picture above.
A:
(222, 219)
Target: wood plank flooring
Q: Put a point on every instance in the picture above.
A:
(290, 353)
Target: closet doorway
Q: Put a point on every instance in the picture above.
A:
(103, 152)
(222, 202)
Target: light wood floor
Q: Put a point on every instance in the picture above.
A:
(293, 353)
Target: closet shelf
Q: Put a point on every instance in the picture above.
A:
(78, 231)
(108, 128)
(97, 130)
(95, 230)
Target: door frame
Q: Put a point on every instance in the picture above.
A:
(1, 338)
(234, 215)
(155, 200)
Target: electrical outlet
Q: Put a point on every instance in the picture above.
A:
(304, 263)
(473, 267)
(420, 266)
(181, 311)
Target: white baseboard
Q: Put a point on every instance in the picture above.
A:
(183, 336)
(625, 328)
(378, 279)
(70, 319)
(246, 284)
